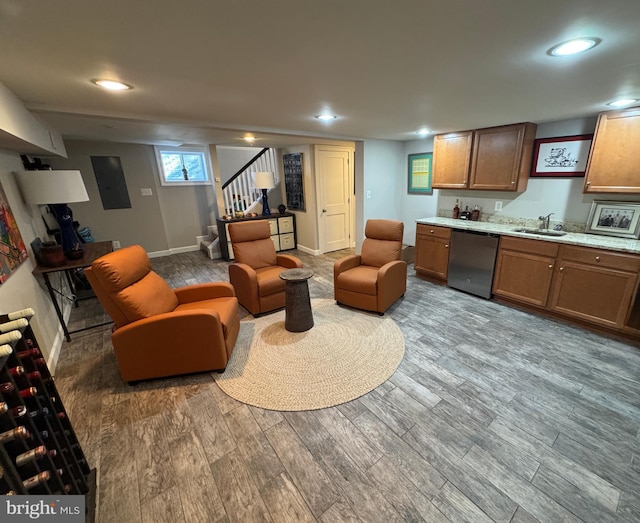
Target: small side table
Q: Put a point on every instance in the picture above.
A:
(92, 251)
(298, 315)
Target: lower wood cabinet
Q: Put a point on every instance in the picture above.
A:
(432, 251)
(595, 285)
(524, 270)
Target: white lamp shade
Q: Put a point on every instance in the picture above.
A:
(263, 180)
(44, 187)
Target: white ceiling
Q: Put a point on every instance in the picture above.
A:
(209, 71)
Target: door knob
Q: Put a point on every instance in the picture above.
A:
(324, 210)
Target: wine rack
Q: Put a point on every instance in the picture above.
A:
(39, 450)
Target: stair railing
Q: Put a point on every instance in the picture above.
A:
(238, 192)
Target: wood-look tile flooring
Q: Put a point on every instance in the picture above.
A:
(494, 415)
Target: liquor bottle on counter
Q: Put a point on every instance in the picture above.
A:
(456, 210)
(475, 214)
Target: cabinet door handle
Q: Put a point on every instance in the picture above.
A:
(446, 245)
(550, 266)
(512, 183)
(597, 258)
(431, 231)
(588, 183)
(562, 268)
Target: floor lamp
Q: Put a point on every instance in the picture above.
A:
(56, 189)
(264, 180)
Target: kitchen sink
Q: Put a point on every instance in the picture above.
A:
(541, 232)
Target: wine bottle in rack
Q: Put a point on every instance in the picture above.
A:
(7, 338)
(14, 325)
(27, 314)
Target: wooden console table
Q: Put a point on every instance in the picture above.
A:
(92, 251)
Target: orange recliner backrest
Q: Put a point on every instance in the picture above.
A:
(127, 287)
(251, 241)
(383, 242)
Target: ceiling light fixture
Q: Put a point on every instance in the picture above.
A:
(423, 132)
(111, 85)
(249, 138)
(325, 117)
(575, 46)
(623, 102)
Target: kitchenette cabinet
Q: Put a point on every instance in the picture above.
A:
(432, 251)
(524, 270)
(451, 160)
(613, 163)
(495, 158)
(595, 285)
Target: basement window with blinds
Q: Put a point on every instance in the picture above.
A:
(183, 165)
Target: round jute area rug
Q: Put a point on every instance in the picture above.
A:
(346, 354)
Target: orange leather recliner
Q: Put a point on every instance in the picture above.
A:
(159, 331)
(376, 278)
(255, 275)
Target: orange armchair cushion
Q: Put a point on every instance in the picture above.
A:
(383, 242)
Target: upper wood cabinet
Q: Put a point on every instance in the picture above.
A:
(451, 160)
(613, 160)
(502, 156)
(492, 159)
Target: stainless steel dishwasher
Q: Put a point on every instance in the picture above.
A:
(472, 258)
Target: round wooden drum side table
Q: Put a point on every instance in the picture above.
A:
(298, 314)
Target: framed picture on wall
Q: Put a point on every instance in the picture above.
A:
(561, 157)
(621, 219)
(293, 181)
(420, 173)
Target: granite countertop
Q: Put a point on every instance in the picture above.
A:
(571, 238)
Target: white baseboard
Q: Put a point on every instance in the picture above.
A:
(56, 347)
(314, 252)
(175, 250)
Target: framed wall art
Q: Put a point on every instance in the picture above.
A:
(293, 181)
(621, 219)
(561, 157)
(420, 173)
(12, 248)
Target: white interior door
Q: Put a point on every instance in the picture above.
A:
(334, 181)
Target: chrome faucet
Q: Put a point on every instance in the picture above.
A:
(545, 221)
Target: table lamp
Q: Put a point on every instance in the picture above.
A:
(56, 189)
(264, 180)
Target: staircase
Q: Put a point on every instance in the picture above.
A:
(238, 192)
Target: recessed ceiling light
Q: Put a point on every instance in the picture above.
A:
(575, 46)
(112, 85)
(623, 102)
(249, 138)
(326, 117)
(423, 132)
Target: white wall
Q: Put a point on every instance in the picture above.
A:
(230, 159)
(22, 289)
(382, 176)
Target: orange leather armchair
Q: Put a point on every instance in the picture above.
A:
(159, 331)
(255, 274)
(376, 278)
